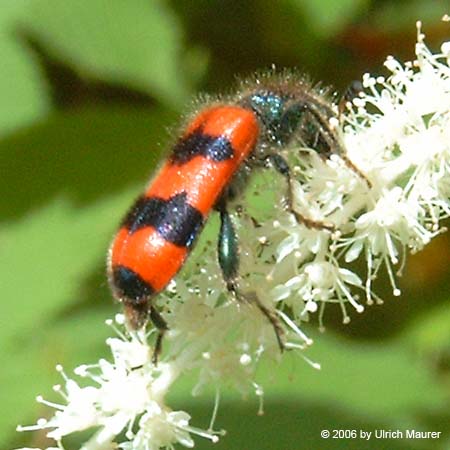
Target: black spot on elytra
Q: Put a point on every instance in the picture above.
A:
(130, 286)
(215, 148)
(175, 220)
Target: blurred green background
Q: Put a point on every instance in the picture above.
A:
(90, 93)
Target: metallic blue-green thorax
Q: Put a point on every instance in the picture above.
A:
(302, 116)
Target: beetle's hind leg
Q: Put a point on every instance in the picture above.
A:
(161, 326)
(282, 167)
(228, 255)
(251, 297)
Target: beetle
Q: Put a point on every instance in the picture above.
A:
(208, 165)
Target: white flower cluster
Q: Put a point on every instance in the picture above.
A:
(403, 148)
(125, 397)
(384, 197)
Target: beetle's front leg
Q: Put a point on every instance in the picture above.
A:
(282, 167)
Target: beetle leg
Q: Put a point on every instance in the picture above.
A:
(282, 167)
(161, 326)
(228, 255)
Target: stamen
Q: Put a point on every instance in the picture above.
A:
(294, 327)
(215, 410)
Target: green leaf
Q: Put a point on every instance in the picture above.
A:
(360, 386)
(45, 256)
(135, 43)
(290, 423)
(370, 378)
(328, 17)
(69, 182)
(86, 154)
(361, 379)
(430, 333)
(23, 90)
(392, 17)
(46, 259)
